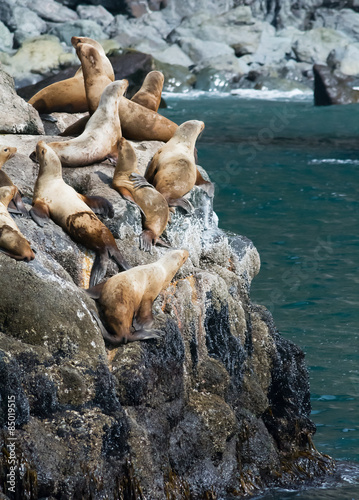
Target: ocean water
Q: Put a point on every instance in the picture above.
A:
(286, 175)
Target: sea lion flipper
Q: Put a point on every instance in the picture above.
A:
(160, 242)
(117, 256)
(138, 181)
(125, 193)
(19, 203)
(99, 205)
(95, 291)
(144, 317)
(205, 185)
(146, 239)
(144, 335)
(40, 213)
(181, 202)
(99, 268)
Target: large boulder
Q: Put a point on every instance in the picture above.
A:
(36, 58)
(333, 87)
(16, 116)
(50, 10)
(344, 20)
(25, 23)
(81, 27)
(315, 45)
(219, 403)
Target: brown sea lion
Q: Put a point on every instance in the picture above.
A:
(69, 95)
(173, 171)
(102, 134)
(153, 206)
(12, 242)
(72, 211)
(127, 298)
(150, 93)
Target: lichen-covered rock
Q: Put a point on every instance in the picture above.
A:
(16, 116)
(217, 406)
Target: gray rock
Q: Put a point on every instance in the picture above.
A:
(16, 116)
(50, 10)
(345, 59)
(6, 38)
(78, 28)
(131, 33)
(173, 55)
(199, 50)
(344, 20)
(95, 13)
(315, 45)
(26, 24)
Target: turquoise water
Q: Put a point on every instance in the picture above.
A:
(287, 176)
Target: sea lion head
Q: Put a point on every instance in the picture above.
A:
(88, 54)
(75, 40)
(6, 152)
(175, 259)
(15, 245)
(127, 159)
(153, 80)
(49, 162)
(113, 90)
(188, 132)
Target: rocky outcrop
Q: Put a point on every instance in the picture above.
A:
(333, 87)
(217, 407)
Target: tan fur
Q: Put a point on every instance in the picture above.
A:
(69, 95)
(150, 93)
(12, 242)
(152, 203)
(173, 171)
(130, 295)
(102, 133)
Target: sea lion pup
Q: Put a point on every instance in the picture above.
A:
(127, 298)
(173, 171)
(154, 207)
(69, 95)
(12, 242)
(72, 211)
(100, 139)
(150, 93)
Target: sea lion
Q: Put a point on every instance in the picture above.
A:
(72, 211)
(150, 93)
(127, 298)
(69, 95)
(12, 242)
(173, 171)
(138, 123)
(102, 134)
(95, 76)
(153, 206)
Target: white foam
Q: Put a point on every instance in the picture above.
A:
(333, 161)
(266, 94)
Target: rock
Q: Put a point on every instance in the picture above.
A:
(315, 45)
(345, 59)
(133, 66)
(85, 27)
(173, 55)
(220, 73)
(344, 20)
(177, 78)
(198, 50)
(289, 13)
(16, 116)
(333, 87)
(95, 13)
(26, 24)
(130, 33)
(220, 391)
(36, 57)
(50, 10)
(6, 38)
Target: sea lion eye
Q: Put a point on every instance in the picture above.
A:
(6, 150)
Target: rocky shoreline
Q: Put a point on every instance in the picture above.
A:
(217, 408)
(202, 45)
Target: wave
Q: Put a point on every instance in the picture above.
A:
(272, 95)
(333, 161)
